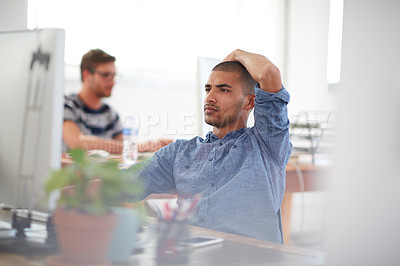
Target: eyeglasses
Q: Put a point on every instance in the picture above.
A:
(106, 75)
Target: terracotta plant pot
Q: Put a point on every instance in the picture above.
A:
(84, 238)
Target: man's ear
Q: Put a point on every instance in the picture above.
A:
(250, 101)
(85, 74)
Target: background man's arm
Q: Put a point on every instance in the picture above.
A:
(260, 68)
(119, 137)
(74, 138)
(153, 145)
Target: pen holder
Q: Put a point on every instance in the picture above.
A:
(170, 246)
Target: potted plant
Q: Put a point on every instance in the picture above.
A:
(83, 219)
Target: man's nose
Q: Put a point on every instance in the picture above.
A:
(210, 97)
(111, 82)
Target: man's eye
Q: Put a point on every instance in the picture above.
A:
(224, 90)
(207, 89)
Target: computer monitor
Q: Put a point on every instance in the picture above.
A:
(31, 114)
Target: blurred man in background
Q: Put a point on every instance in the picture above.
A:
(89, 123)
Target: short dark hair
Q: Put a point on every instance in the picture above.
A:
(93, 58)
(247, 81)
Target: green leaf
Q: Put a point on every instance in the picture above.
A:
(60, 178)
(115, 184)
(78, 155)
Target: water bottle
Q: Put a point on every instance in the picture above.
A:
(130, 132)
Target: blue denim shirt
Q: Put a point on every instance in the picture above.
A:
(241, 177)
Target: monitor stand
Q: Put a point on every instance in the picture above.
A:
(23, 245)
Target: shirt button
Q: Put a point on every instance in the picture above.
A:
(187, 166)
(235, 146)
(212, 184)
(210, 159)
(220, 144)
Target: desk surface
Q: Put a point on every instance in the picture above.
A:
(235, 250)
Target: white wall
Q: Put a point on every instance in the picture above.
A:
(365, 210)
(13, 14)
(307, 56)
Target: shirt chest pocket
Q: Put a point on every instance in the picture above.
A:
(186, 180)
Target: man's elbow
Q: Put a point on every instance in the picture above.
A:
(270, 79)
(72, 142)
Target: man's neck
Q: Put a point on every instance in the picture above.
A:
(92, 101)
(222, 132)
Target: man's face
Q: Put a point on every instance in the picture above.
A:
(102, 81)
(224, 102)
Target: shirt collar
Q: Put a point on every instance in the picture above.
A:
(210, 137)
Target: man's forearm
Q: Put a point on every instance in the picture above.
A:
(113, 146)
(116, 146)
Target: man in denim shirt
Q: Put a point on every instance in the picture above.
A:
(239, 171)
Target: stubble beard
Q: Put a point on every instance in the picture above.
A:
(220, 123)
(102, 93)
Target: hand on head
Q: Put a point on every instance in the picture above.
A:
(231, 56)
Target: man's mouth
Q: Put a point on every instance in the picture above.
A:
(210, 108)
